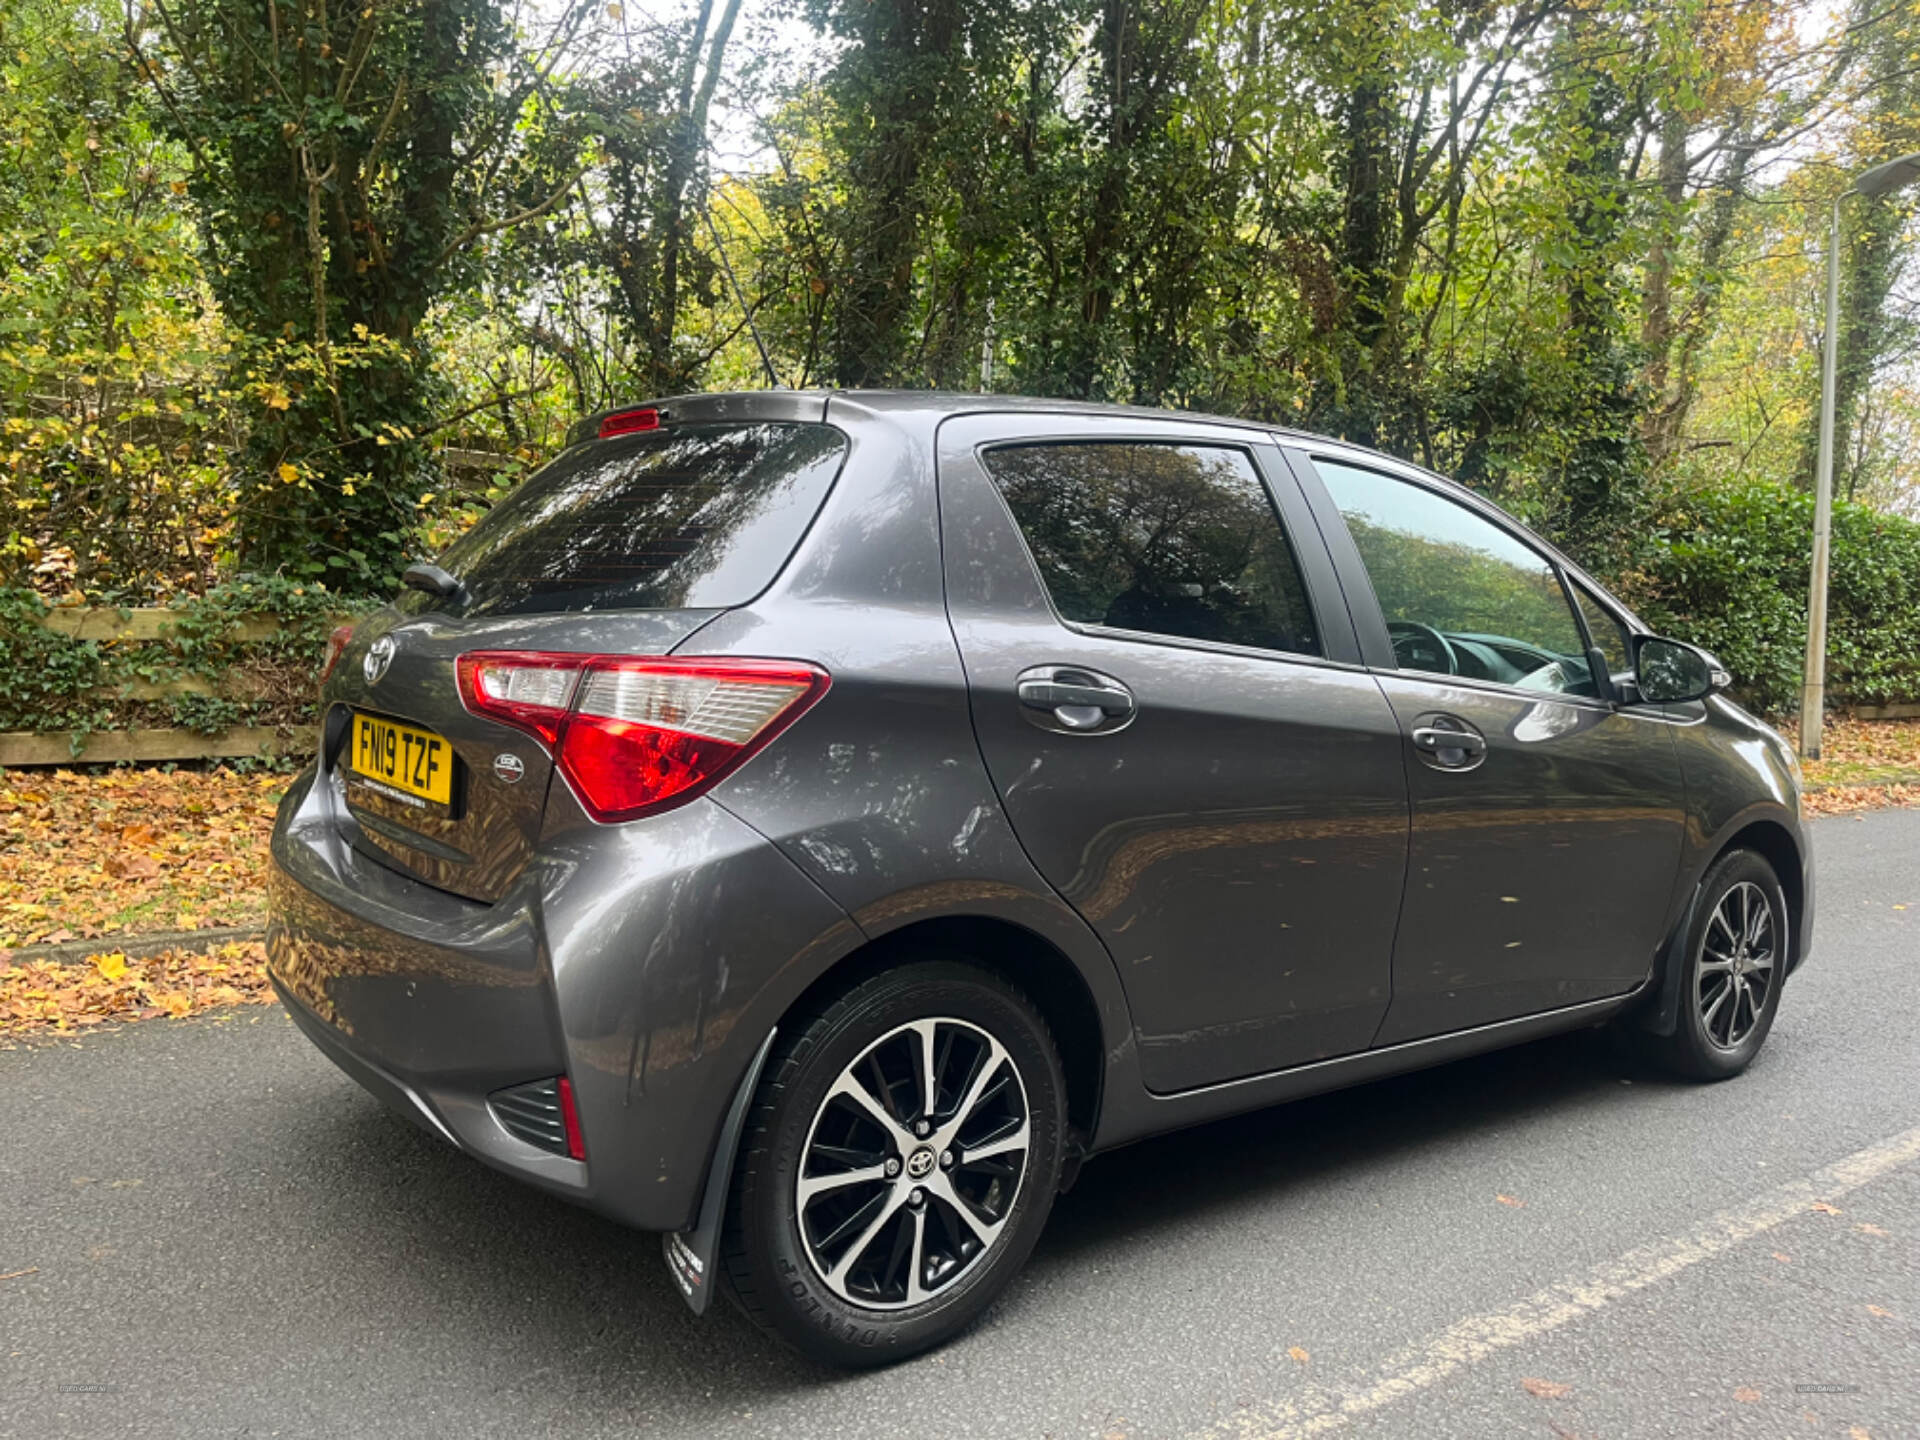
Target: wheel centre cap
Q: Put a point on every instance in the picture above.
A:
(920, 1163)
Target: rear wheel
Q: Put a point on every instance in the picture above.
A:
(899, 1163)
(1736, 959)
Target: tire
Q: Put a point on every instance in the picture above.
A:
(863, 1273)
(1708, 1043)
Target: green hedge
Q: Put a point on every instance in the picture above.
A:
(1727, 568)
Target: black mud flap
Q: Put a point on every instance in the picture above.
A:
(1662, 1015)
(691, 1253)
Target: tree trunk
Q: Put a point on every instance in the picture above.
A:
(1656, 323)
(901, 71)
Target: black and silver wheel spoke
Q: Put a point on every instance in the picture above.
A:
(1734, 970)
(913, 1163)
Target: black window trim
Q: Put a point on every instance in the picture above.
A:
(1353, 574)
(1574, 579)
(1317, 604)
(1571, 584)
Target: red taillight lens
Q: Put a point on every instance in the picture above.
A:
(639, 734)
(629, 422)
(337, 643)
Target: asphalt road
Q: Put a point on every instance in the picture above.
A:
(224, 1237)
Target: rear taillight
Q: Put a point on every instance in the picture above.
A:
(337, 643)
(639, 734)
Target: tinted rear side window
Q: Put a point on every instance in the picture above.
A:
(1177, 540)
(698, 516)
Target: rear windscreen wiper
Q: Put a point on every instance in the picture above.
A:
(435, 581)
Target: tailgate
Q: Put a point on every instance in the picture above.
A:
(456, 799)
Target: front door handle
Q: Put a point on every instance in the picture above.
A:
(1430, 740)
(1448, 743)
(1074, 700)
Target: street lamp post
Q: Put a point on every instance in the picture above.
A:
(1813, 693)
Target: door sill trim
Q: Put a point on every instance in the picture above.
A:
(1159, 1111)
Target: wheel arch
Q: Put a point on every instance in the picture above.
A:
(1022, 957)
(1774, 840)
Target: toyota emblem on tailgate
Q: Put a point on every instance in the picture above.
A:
(379, 656)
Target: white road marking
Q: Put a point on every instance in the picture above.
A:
(1420, 1367)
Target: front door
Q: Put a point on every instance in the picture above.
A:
(1547, 822)
(1155, 667)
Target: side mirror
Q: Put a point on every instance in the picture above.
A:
(1669, 672)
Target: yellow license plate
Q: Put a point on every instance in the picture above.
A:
(403, 758)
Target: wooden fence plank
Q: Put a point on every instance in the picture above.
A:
(236, 684)
(479, 459)
(157, 689)
(143, 746)
(101, 622)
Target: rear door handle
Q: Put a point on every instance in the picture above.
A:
(1074, 700)
(1051, 694)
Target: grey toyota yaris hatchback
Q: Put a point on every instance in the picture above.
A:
(809, 825)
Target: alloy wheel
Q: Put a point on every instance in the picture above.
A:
(913, 1163)
(1737, 966)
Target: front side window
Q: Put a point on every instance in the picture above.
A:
(1177, 540)
(1461, 596)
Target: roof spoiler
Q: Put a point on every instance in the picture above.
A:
(717, 407)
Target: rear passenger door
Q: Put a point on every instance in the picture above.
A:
(1167, 694)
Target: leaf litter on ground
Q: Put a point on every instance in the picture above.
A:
(1864, 765)
(130, 851)
(45, 996)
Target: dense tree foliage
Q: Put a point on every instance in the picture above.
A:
(262, 262)
(342, 161)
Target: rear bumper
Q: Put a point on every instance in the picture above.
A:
(479, 1132)
(646, 962)
(429, 1001)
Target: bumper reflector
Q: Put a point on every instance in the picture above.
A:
(541, 1113)
(569, 1117)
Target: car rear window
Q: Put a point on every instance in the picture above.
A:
(700, 516)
